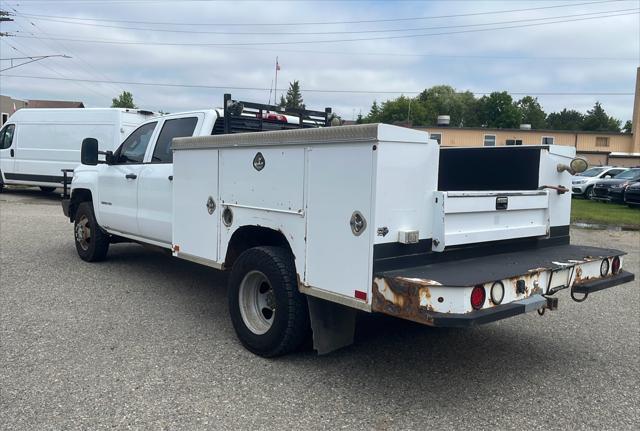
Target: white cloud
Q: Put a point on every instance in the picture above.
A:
(337, 67)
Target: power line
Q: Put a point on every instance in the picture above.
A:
(120, 42)
(28, 60)
(308, 90)
(325, 22)
(297, 33)
(88, 68)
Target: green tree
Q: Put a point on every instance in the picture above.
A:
(445, 100)
(293, 99)
(498, 110)
(403, 110)
(124, 100)
(567, 119)
(628, 126)
(531, 112)
(597, 120)
(374, 114)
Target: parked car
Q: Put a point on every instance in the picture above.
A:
(35, 144)
(582, 184)
(612, 190)
(632, 195)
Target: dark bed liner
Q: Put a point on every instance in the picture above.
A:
(485, 269)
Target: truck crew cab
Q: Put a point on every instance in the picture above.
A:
(316, 222)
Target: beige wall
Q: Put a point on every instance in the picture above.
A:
(600, 159)
(630, 162)
(635, 121)
(617, 142)
(6, 106)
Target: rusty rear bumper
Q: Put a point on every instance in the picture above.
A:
(438, 294)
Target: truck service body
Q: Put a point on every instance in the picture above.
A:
(319, 222)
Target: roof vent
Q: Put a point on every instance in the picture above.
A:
(525, 126)
(444, 120)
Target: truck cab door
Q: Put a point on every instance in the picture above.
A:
(118, 182)
(155, 184)
(7, 150)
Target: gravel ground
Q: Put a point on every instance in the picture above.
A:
(143, 341)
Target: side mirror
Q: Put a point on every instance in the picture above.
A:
(89, 152)
(108, 158)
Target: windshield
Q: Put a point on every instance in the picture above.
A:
(628, 175)
(592, 172)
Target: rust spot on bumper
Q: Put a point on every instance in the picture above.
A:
(406, 298)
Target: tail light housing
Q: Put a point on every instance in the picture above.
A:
(615, 265)
(478, 296)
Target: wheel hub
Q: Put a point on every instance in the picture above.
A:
(83, 232)
(257, 302)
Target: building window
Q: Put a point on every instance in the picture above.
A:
(547, 140)
(514, 142)
(5, 117)
(602, 141)
(437, 137)
(489, 140)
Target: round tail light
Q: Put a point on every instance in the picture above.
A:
(497, 292)
(615, 265)
(604, 267)
(478, 296)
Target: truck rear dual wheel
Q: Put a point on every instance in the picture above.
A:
(92, 243)
(268, 313)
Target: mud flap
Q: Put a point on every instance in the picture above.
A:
(333, 325)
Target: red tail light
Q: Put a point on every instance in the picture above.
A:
(615, 265)
(478, 296)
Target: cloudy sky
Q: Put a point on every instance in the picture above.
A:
(345, 53)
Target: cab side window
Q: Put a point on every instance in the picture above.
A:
(177, 128)
(133, 148)
(6, 136)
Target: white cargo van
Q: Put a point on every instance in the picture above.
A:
(35, 144)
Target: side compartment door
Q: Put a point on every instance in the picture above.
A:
(7, 149)
(155, 184)
(118, 182)
(196, 219)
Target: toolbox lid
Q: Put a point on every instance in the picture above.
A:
(325, 135)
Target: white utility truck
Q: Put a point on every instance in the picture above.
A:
(36, 144)
(316, 223)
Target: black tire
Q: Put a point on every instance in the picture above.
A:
(290, 326)
(588, 194)
(95, 242)
(47, 189)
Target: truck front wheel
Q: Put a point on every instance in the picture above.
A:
(92, 243)
(268, 313)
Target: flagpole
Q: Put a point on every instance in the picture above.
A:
(275, 97)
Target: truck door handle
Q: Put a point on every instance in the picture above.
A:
(131, 176)
(11, 152)
(170, 177)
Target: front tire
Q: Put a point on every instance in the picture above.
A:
(268, 313)
(92, 243)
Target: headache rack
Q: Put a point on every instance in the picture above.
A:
(242, 117)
